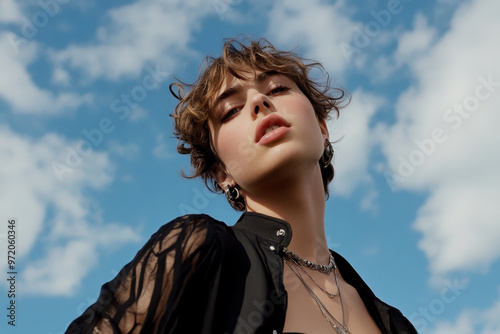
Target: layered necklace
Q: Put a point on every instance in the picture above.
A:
(299, 264)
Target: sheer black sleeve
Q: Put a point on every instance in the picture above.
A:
(183, 259)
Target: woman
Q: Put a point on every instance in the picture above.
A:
(254, 124)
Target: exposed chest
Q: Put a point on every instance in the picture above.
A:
(318, 308)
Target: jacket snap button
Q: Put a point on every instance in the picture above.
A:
(280, 232)
(272, 248)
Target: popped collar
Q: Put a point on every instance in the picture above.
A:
(277, 232)
(263, 238)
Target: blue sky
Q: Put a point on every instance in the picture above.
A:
(89, 168)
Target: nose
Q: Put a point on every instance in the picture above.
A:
(257, 107)
(260, 103)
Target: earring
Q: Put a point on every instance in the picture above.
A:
(327, 156)
(232, 193)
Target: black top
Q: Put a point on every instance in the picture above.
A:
(198, 275)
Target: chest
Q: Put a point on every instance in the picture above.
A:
(318, 307)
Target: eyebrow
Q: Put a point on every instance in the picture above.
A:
(260, 78)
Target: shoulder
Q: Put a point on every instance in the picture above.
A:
(389, 315)
(190, 232)
(351, 277)
(194, 225)
(182, 253)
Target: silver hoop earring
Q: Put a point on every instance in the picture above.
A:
(232, 193)
(327, 156)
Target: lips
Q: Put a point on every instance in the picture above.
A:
(270, 128)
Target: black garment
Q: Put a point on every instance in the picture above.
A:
(197, 275)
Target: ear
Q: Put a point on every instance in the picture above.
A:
(324, 129)
(221, 175)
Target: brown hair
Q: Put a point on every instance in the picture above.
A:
(238, 58)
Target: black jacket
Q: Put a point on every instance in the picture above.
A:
(198, 275)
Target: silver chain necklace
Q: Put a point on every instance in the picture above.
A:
(288, 254)
(340, 328)
(329, 294)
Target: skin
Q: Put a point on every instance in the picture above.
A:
(283, 179)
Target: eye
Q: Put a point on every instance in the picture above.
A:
(278, 90)
(230, 113)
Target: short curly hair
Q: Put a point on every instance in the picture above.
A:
(240, 58)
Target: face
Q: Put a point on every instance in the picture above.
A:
(264, 130)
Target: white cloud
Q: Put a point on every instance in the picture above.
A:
(10, 12)
(317, 25)
(472, 321)
(138, 113)
(353, 150)
(146, 31)
(60, 76)
(19, 90)
(413, 42)
(62, 269)
(463, 325)
(128, 150)
(54, 218)
(331, 34)
(445, 138)
(161, 149)
(368, 202)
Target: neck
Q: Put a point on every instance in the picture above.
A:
(302, 204)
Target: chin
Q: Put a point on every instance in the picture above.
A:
(280, 166)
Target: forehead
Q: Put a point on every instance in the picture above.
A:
(246, 75)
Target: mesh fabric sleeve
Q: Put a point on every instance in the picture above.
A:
(144, 296)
